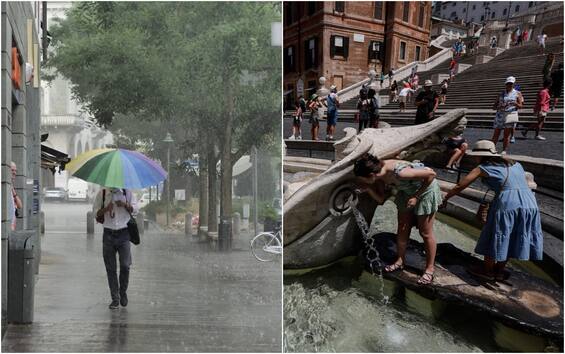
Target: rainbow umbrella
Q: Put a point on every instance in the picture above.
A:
(117, 168)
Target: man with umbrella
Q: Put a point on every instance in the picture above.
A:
(118, 171)
(114, 208)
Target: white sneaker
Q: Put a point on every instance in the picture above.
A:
(539, 137)
(503, 152)
(291, 137)
(299, 137)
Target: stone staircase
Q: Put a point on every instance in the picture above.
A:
(477, 87)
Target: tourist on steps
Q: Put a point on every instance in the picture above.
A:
(314, 105)
(540, 110)
(513, 225)
(296, 122)
(417, 199)
(363, 106)
(548, 66)
(506, 105)
(393, 92)
(556, 85)
(443, 93)
(332, 103)
(427, 102)
(403, 97)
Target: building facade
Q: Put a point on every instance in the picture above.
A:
(70, 128)
(343, 40)
(21, 140)
(481, 11)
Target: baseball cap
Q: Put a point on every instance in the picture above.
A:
(510, 79)
(428, 83)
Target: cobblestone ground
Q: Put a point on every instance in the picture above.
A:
(183, 296)
(552, 148)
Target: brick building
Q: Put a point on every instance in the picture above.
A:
(343, 40)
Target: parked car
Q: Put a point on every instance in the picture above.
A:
(55, 194)
(143, 201)
(77, 190)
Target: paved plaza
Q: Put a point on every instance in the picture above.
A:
(183, 296)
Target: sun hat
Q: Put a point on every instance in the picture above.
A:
(510, 79)
(483, 148)
(313, 97)
(333, 87)
(428, 83)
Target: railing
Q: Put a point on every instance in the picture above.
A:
(400, 74)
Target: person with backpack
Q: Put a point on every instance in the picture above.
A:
(114, 208)
(332, 104)
(302, 102)
(373, 108)
(363, 109)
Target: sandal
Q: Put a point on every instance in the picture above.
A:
(394, 267)
(426, 278)
(480, 273)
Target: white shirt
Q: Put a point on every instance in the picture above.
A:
(404, 91)
(120, 214)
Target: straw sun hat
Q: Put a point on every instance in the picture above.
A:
(483, 148)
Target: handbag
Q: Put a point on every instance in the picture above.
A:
(100, 219)
(511, 117)
(482, 211)
(132, 227)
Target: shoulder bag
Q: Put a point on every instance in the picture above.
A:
(100, 219)
(132, 227)
(482, 212)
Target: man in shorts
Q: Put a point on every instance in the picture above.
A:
(332, 103)
(540, 110)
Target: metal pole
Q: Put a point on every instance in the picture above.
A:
(168, 181)
(255, 211)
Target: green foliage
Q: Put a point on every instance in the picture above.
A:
(170, 64)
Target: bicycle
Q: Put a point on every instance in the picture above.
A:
(266, 246)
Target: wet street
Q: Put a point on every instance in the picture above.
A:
(183, 297)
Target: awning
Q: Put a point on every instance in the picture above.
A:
(51, 158)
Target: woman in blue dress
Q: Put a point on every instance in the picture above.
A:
(513, 226)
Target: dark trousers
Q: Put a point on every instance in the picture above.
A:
(112, 242)
(363, 123)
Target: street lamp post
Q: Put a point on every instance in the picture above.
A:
(168, 140)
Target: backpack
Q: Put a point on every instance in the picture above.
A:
(374, 107)
(302, 103)
(363, 92)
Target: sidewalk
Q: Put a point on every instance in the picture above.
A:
(183, 297)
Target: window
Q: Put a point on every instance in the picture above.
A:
(474, 7)
(482, 17)
(493, 14)
(517, 8)
(339, 46)
(417, 55)
(311, 8)
(402, 55)
(379, 10)
(530, 4)
(504, 12)
(376, 50)
(289, 59)
(405, 11)
(444, 7)
(453, 14)
(453, 4)
(464, 10)
(310, 51)
(339, 6)
(421, 16)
